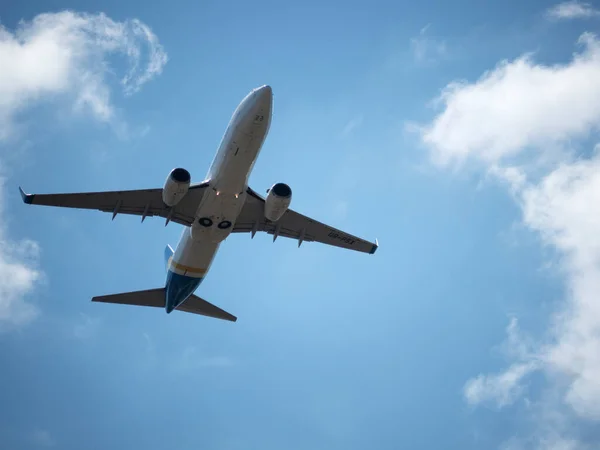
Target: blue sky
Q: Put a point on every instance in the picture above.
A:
(464, 136)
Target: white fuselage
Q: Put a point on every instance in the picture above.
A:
(228, 181)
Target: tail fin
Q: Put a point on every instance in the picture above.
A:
(168, 255)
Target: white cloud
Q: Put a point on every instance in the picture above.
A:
(505, 387)
(565, 209)
(572, 10)
(60, 56)
(517, 106)
(66, 55)
(427, 49)
(18, 274)
(522, 122)
(502, 389)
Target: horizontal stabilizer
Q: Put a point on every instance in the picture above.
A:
(156, 298)
(150, 297)
(197, 305)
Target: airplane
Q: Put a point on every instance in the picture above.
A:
(210, 211)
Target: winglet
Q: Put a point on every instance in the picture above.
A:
(375, 247)
(27, 198)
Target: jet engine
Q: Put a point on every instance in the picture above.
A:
(176, 186)
(278, 201)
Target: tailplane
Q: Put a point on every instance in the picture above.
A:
(168, 255)
(157, 298)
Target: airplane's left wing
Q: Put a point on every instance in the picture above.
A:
(295, 226)
(139, 202)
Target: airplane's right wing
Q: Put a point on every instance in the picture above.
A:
(296, 226)
(140, 202)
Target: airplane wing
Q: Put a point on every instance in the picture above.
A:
(139, 202)
(296, 226)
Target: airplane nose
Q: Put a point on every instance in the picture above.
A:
(264, 91)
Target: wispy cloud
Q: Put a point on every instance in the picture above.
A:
(85, 327)
(191, 359)
(19, 273)
(427, 49)
(184, 360)
(149, 344)
(149, 357)
(42, 438)
(501, 389)
(352, 125)
(572, 10)
(65, 55)
(61, 58)
(340, 209)
(519, 122)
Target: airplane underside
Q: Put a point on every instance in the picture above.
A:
(209, 211)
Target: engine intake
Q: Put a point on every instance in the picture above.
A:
(278, 201)
(281, 190)
(176, 186)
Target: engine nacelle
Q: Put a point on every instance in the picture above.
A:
(176, 186)
(278, 201)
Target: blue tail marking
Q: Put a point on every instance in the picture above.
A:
(168, 255)
(178, 288)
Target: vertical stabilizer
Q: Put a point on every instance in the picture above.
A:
(168, 255)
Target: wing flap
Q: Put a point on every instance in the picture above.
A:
(140, 202)
(296, 226)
